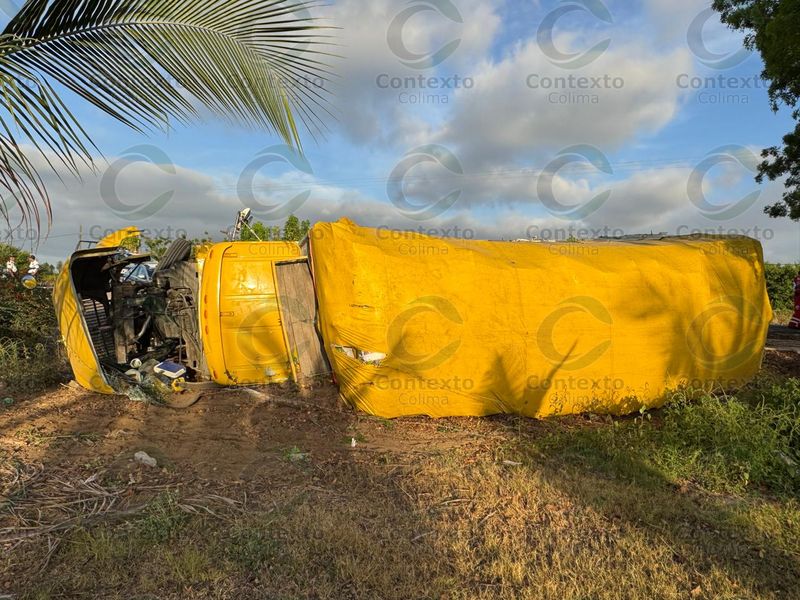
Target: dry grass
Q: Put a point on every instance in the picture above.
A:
(781, 316)
(573, 508)
(456, 526)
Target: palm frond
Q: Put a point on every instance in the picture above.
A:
(150, 64)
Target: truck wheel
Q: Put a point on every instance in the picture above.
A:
(178, 251)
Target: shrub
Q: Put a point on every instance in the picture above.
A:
(26, 369)
(779, 285)
(31, 356)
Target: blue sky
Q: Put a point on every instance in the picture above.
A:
(489, 140)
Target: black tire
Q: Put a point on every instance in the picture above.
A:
(178, 251)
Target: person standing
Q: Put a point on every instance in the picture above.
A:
(794, 322)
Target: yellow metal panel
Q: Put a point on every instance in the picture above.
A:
(477, 327)
(243, 336)
(115, 239)
(80, 351)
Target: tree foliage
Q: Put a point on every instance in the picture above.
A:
(780, 285)
(294, 230)
(772, 27)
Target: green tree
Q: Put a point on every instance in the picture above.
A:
(20, 255)
(149, 64)
(260, 232)
(780, 285)
(294, 230)
(157, 247)
(773, 28)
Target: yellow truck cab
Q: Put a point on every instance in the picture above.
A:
(217, 316)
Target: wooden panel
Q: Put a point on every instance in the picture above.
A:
(299, 314)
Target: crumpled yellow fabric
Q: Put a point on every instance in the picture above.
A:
(538, 329)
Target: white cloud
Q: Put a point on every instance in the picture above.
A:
(644, 202)
(525, 105)
(368, 113)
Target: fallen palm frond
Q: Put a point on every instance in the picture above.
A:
(33, 505)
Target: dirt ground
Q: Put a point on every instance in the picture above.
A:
(345, 505)
(234, 435)
(229, 435)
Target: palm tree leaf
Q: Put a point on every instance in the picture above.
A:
(151, 64)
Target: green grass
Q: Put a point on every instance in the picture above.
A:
(162, 521)
(746, 443)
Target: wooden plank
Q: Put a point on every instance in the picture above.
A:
(299, 316)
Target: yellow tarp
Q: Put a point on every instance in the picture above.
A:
(477, 327)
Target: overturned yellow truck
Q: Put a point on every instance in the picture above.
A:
(415, 325)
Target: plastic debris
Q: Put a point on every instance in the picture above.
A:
(170, 369)
(145, 459)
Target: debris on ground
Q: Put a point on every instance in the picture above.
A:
(145, 459)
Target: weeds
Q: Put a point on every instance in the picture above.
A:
(162, 520)
(251, 546)
(31, 356)
(735, 445)
(295, 455)
(34, 437)
(26, 369)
